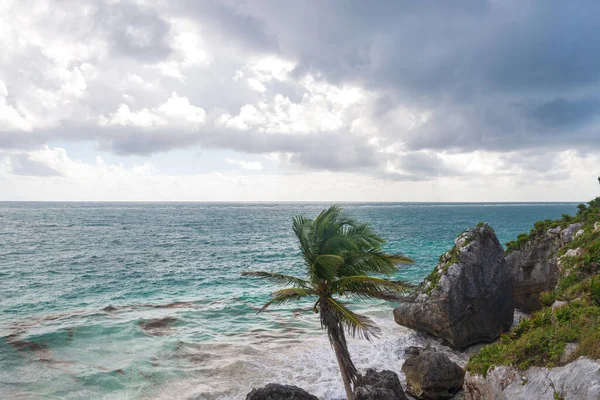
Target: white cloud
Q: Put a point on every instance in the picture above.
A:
(324, 107)
(10, 118)
(249, 165)
(99, 180)
(176, 111)
(143, 118)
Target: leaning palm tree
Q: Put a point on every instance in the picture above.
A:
(339, 253)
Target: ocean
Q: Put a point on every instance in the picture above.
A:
(146, 301)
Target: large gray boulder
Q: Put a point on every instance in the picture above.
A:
(535, 268)
(432, 375)
(379, 385)
(467, 299)
(274, 391)
(578, 380)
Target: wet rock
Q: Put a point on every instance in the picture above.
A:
(379, 385)
(109, 308)
(468, 298)
(274, 391)
(579, 379)
(432, 375)
(535, 267)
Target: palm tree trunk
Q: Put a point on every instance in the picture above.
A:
(337, 339)
(345, 375)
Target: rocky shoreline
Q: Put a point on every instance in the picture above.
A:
(470, 298)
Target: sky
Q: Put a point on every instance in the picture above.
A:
(339, 100)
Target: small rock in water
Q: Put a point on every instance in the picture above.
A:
(379, 385)
(275, 391)
(109, 308)
(432, 375)
(157, 326)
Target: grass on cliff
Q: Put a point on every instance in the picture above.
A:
(584, 214)
(541, 339)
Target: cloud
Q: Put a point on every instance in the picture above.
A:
(249, 165)
(397, 90)
(23, 164)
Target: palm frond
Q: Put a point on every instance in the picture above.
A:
(284, 295)
(401, 259)
(354, 324)
(360, 282)
(364, 236)
(278, 278)
(371, 261)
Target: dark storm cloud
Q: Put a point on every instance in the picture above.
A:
(476, 59)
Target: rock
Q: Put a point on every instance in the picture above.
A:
(158, 326)
(379, 385)
(567, 234)
(535, 268)
(468, 297)
(274, 391)
(431, 375)
(558, 304)
(570, 349)
(579, 380)
(597, 227)
(574, 252)
(579, 232)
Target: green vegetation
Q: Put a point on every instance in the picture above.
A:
(338, 253)
(540, 340)
(584, 214)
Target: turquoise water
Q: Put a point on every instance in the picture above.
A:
(182, 323)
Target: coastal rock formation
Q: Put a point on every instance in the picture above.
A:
(274, 391)
(432, 375)
(534, 267)
(467, 299)
(379, 385)
(577, 380)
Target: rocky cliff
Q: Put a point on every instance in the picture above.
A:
(534, 266)
(577, 380)
(553, 353)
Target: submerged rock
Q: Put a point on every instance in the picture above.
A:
(579, 380)
(535, 267)
(467, 299)
(158, 326)
(275, 391)
(379, 385)
(432, 375)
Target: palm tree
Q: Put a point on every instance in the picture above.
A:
(338, 253)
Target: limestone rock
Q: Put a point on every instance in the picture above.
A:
(274, 391)
(468, 297)
(578, 380)
(535, 268)
(379, 385)
(432, 375)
